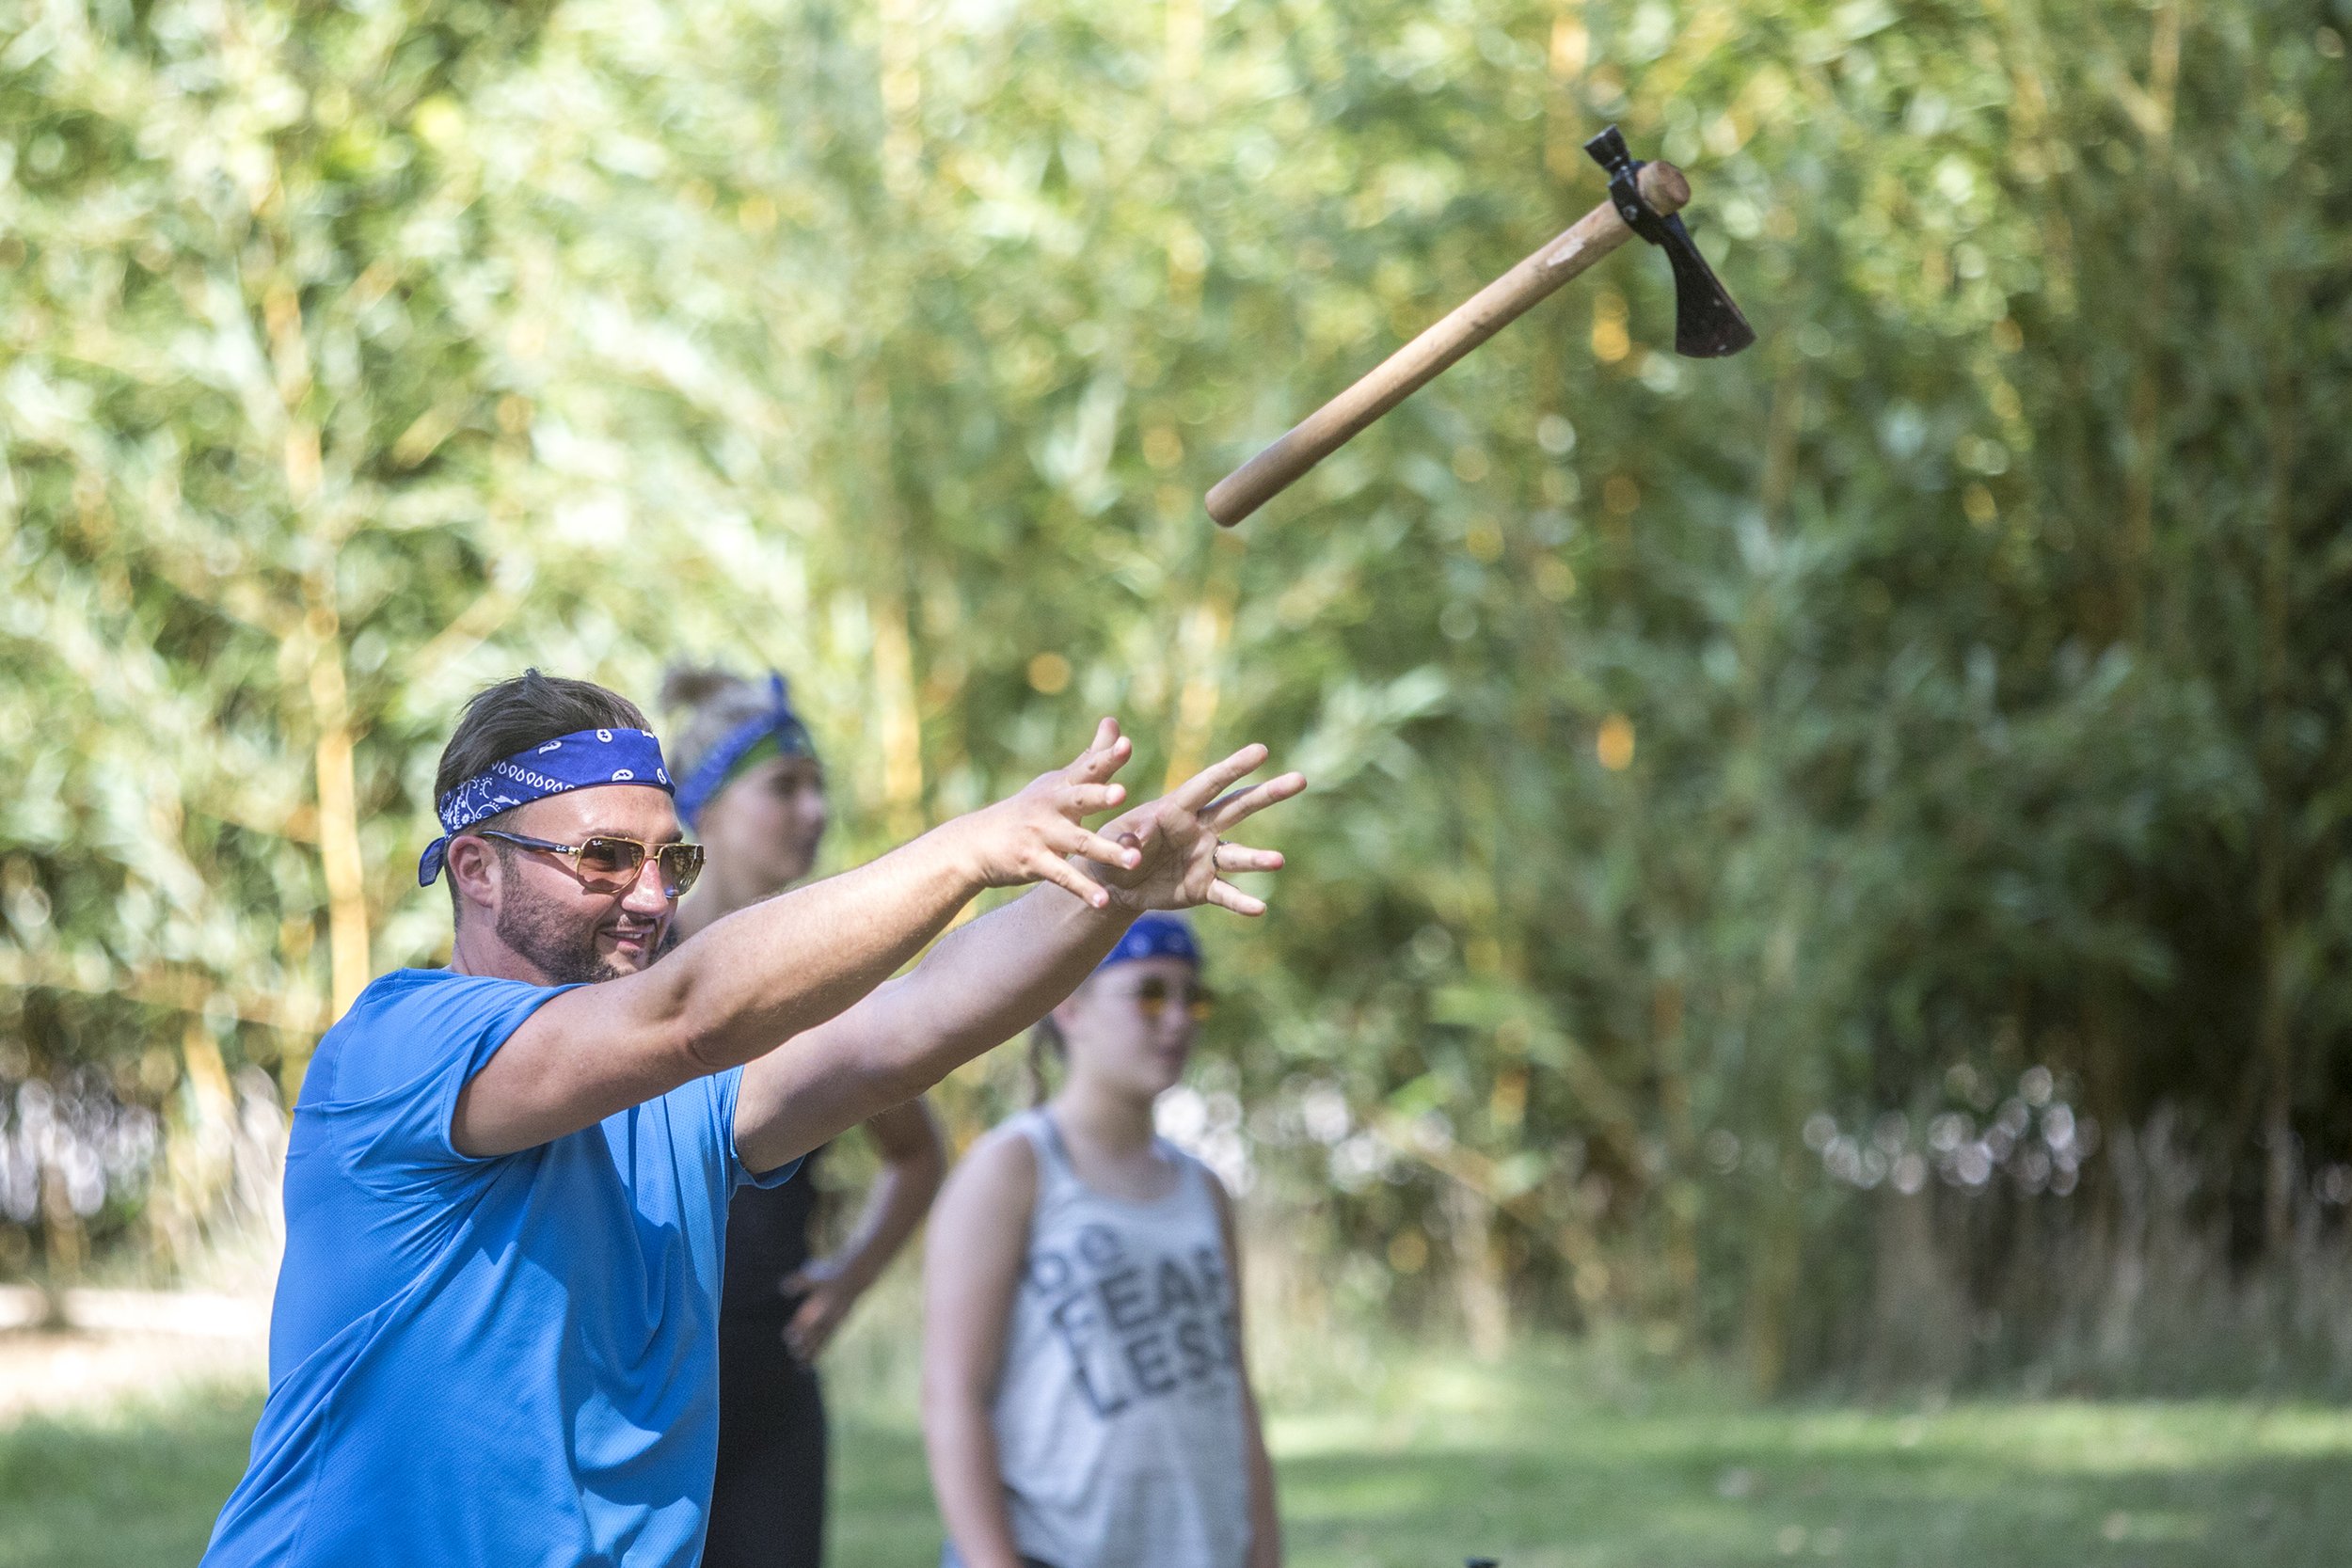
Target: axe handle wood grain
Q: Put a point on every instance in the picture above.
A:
(1412, 367)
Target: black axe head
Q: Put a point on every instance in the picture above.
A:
(1708, 325)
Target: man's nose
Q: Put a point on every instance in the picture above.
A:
(647, 894)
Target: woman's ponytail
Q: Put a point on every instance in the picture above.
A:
(1044, 1040)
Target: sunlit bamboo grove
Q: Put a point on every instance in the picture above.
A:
(1834, 856)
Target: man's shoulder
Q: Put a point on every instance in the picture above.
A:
(411, 1019)
(404, 986)
(408, 996)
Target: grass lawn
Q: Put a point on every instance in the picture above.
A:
(1544, 1461)
(135, 1483)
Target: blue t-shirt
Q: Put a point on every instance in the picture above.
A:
(486, 1363)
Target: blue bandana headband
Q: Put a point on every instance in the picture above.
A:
(581, 760)
(713, 773)
(1154, 935)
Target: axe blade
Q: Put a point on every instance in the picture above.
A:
(1708, 324)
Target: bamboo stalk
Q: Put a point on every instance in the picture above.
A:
(338, 812)
(1208, 625)
(896, 692)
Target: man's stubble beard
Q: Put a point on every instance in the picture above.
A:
(564, 951)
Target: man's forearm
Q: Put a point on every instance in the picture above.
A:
(784, 965)
(993, 978)
(721, 998)
(781, 968)
(977, 989)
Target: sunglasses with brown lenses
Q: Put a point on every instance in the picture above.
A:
(609, 862)
(1154, 992)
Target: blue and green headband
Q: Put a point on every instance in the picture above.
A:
(775, 732)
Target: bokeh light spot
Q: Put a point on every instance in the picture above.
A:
(1614, 743)
(1049, 673)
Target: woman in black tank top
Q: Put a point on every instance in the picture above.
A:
(750, 787)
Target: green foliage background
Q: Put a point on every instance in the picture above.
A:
(1954, 686)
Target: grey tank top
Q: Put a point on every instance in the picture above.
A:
(1118, 1413)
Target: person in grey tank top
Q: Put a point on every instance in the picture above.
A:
(1085, 1402)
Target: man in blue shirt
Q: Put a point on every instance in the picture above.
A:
(494, 1341)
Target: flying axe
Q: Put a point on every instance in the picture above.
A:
(1643, 198)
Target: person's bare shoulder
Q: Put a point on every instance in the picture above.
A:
(1001, 1167)
(1219, 1194)
(979, 1232)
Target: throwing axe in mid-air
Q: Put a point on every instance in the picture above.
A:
(1643, 200)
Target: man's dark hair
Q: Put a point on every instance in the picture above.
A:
(516, 715)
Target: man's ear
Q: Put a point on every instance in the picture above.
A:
(474, 870)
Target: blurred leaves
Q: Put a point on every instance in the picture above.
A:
(1958, 676)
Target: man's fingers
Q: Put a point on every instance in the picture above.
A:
(1099, 763)
(1240, 857)
(1085, 799)
(1094, 847)
(1072, 881)
(1224, 896)
(1104, 755)
(1217, 777)
(1105, 736)
(1245, 803)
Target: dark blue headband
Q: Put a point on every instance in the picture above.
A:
(779, 722)
(1155, 934)
(581, 760)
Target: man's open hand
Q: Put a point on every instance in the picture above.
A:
(1185, 858)
(1032, 837)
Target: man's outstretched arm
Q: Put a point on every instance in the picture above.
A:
(774, 969)
(993, 978)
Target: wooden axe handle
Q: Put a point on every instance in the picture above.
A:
(1406, 371)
